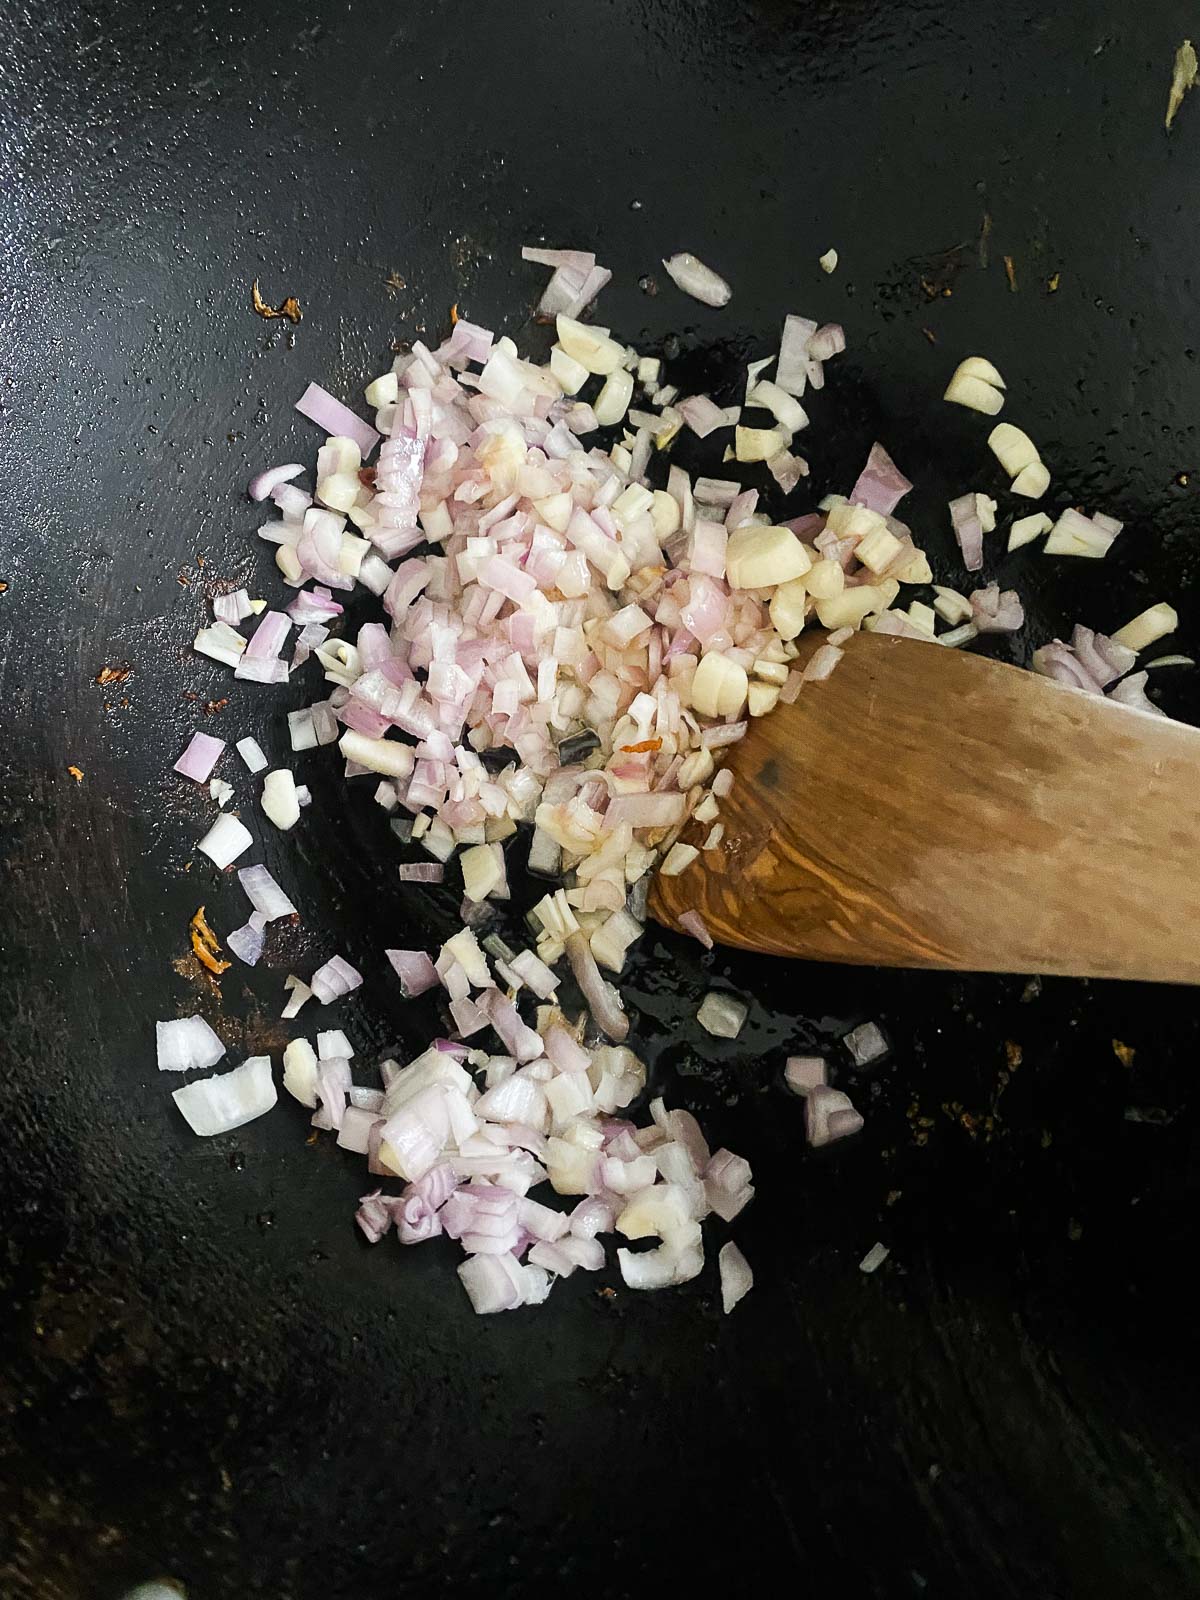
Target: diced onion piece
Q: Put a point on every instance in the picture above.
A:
(1012, 447)
(251, 753)
(785, 408)
(1148, 626)
(1026, 529)
(736, 1277)
(1131, 691)
(264, 894)
(613, 400)
(805, 1073)
(694, 278)
(967, 388)
(959, 636)
(828, 1115)
(828, 262)
(225, 841)
(866, 1043)
(279, 801)
(1032, 481)
(335, 979)
(1170, 661)
(721, 1014)
(200, 757)
(229, 1099)
(186, 1043)
(756, 557)
(719, 686)
(874, 1258)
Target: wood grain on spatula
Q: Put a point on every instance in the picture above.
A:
(927, 808)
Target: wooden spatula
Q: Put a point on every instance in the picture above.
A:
(928, 808)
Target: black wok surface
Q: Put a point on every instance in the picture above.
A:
(204, 1372)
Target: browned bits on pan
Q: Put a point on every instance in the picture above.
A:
(211, 707)
(1010, 272)
(1013, 1054)
(3, 587)
(113, 674)
(985, 233)
(454, 314)
(1123, 1052)
(76, 773)
(290, 308)
(205, 945)
(930, 335)
(1052, 282)
(393, 283)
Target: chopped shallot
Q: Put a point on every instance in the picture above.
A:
(561, 657)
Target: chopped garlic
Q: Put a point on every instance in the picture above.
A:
(664, 514)
(974, 393)
(789, 606)
(847, 610)
(1032, 481)
(719, 686)
(758, 557)
(878, 550)
(677, 858)
(762, 697)
(1012, 447)
(279, 801)
(481, 870)
(1148, 627)
(571, 374)
(758, 444)
(981, 367)
(918, 570)
(384, 391)
(951, 606)
(612, 402)
(769, 672)
(593, 350)
(824, 579)
(1026, 529)
(922, 617)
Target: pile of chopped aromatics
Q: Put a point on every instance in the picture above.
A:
(568, 651)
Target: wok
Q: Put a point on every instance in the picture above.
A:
(204, 1372)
